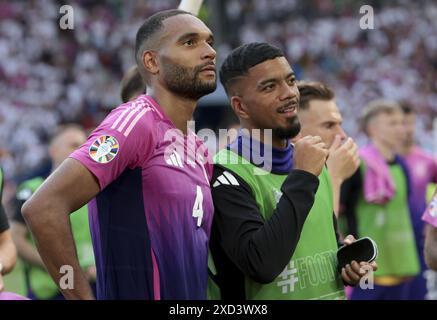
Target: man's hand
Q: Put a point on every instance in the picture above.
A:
(343, 159)
(91, 273)
(353, 272)
(310, 154)
(47, 214)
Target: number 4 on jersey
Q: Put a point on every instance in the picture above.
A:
(198, 206)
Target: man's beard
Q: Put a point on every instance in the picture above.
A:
(185, 81)
(290, 131)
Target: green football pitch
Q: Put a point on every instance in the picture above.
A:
(14, 282)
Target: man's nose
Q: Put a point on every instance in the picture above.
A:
(287, 91)
(341, 132)
(209, 52)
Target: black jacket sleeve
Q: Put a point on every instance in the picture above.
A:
(260, 249)
(4, 225)
(349, 195)
(337, 233)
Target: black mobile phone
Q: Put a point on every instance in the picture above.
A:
(363, 249)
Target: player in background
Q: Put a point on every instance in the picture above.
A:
(430, 217)
(430, 252)
(274, 233)
(423, 171)
(8, 253)
(40, 285)
(151, 206)
(132, 85)
(320, 116)
(375, 202)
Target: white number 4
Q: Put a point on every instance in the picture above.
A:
(198, 206)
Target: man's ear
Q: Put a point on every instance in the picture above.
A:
(369, 129)
(239, 107)
(150, 62)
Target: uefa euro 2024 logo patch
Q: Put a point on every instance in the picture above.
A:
(104, 149)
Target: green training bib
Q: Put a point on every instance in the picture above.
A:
(312, 270)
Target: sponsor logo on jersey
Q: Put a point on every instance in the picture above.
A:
(174, 159)
(226, 179)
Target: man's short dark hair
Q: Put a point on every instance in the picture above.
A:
(313, 90)
(245, 57)
(149, 28)
(406, 107)
(132, 84)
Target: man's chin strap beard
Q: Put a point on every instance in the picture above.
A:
(287, 134)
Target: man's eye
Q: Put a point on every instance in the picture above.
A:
(189, 42)
(268, 87)
(291, 81)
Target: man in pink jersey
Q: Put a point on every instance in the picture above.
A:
(423, 171)
(430, 217)
(145, 176)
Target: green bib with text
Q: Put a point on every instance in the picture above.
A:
(312, 270)
(390, 226)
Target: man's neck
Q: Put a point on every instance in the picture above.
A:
(406, 150)
(387, 153)
(178, 109)
(280, 143)
(273, 156)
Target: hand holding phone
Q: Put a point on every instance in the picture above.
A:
(356, 259)
(362, 250)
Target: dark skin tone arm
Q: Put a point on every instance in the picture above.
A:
(431, 247)
(47, 212)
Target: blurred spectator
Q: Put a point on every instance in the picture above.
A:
(132, 85)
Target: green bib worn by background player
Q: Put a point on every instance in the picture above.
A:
(312, 270)
(389, 225)
(40, 282)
